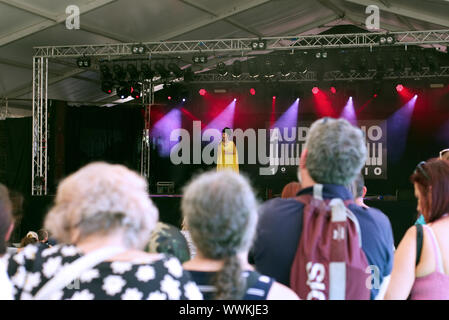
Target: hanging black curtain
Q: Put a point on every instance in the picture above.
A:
(102, 134)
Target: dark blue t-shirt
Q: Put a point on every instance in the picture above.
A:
(280, 226)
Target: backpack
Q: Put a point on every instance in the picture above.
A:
(329, 263)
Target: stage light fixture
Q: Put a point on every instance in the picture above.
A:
(146, 71)
(333, 90)
(236, 69)
(300, 65)
(169, 97)
(107, 86)
(399, 88)
(321, 54)
(324, 54)
(183, 99)
(259, 45)
(274, 97)
(252, 91)
(253, 68)
(132, 71)
(199, 58)
(318, 55)
(284, 68)
(268, 68)
(135, 91)
(83, 62)
(202, 92)
(160, 68)
(315, 90)
(175, 69)
(138, 49)
(222, 69)
(235, 99)
(119, 73)
(123, 91)
(386, 40)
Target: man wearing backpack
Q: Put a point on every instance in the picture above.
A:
(321, 243)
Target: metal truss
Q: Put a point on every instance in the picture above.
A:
(39, 181)
(311, 76)
(354, 40)
(147, 101)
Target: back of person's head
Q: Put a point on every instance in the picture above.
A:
(32, 234)
(103, 199)
(221, 214)
(290, 190)
(5, 217)
(28, 239)
(432, 179)
(168, 239)
(444, 154)
(42, 234)
(357, 186)
(336, 151)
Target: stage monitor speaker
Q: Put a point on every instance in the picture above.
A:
(165, 187)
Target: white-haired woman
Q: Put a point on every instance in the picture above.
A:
(220, 211)
(102, 219)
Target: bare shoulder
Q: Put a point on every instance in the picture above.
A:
(279, 291)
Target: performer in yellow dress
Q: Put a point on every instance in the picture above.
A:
(227, 155)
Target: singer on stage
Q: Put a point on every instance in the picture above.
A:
(227, 156)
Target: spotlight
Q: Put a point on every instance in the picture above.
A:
(147, 72)
(324, 54)
(202, 92)
(123, 91)
(119, 73)
(318, 55)
(300, 65)
(253, 68)
(235, 99)
(107, 86)
(274, 97)
(175, 69)
(183, 99)
(132, 71)
(199, 58)
(391, 40)
(259, 45)
(169, 97)
(237, 69)
(135, 91)
(283, 66)
(315, 90)
(268, 68)
(160, 68)
(222, 69)
(321, 54)
(189, 75)
(333, 90)
(138, 49)
(387, 40)
(399, 88)
(252, 91)
(83, 62)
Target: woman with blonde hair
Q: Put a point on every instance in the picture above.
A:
(102, 219)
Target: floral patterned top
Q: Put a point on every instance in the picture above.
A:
(164, 279)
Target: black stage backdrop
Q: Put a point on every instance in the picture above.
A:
(102, 134)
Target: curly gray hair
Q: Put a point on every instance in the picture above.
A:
(102, 198)
(336, 151)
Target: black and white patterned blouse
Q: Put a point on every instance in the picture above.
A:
(163, 279)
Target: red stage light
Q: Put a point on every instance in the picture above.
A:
(202, 92)
(169, 98)
(399, 87)
(252, 91)
(333, 90)
(274, 97)
(315, 90)
(375, 95)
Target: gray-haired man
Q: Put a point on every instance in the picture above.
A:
(335, 153)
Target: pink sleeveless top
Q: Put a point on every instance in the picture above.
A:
(434, 286)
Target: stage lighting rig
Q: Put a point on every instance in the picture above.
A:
(107, 86)
(135, 91)
(160, 68)
(83, 62)
(138, 49)
(132, 71)
(119, 73)
(222, 69)
(387, 40)
(146, 71)
(199, 58)
(236, 69)
(124, 90)
(175, 69)
(253, 68)
(259, 44)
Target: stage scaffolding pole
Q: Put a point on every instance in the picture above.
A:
(147, 101)
(40, 127)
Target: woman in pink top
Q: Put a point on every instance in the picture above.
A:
(425, 277)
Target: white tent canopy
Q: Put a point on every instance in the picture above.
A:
(25, 24)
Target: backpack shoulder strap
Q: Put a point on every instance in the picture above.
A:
(419, 242)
